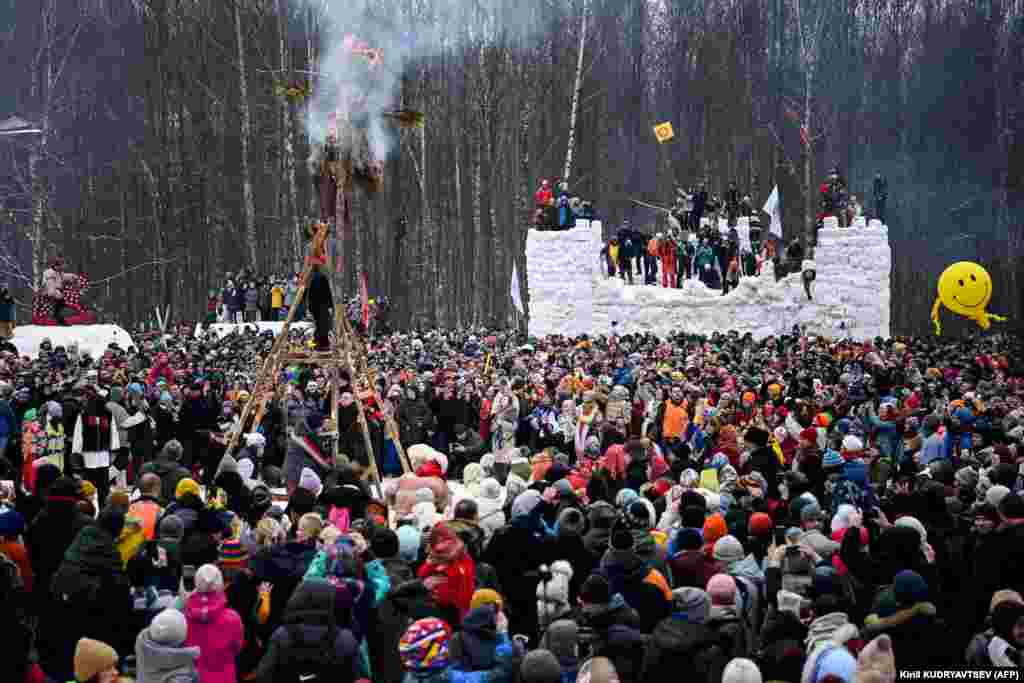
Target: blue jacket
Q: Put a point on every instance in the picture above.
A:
(501, 673)
(888, 438)
(8, 422)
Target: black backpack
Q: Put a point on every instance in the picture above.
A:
(312, 661)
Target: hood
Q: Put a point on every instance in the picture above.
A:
(479, 639)
(93, 549)
(835, 626)
(156, 661)
(747, 568)
(623, 566)
(205, 607)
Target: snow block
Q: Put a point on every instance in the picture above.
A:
(92, 338)
(569, 292)
(224, 329)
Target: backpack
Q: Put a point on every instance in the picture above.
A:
(315, 660)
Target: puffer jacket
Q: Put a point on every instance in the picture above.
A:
(156, 663)
(217, 630)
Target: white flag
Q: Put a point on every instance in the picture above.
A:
(771, 207)
(517, 299)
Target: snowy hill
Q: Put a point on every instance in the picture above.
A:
(91, 338)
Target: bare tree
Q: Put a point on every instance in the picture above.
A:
(576, 91)
(245, 132)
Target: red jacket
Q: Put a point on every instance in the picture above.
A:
(460, 582)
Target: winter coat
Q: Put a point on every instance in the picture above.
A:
(457, 588)
(49, 537)
(310, 642)
(680, 650)
(919, 637)
(613, 632)
(516, 553)
(414, 420)
(157, 663)
(252, 299)
(283, 566)
(692, 568)
(217, 630)
(186, 509)
(730, 628)
(628, 575)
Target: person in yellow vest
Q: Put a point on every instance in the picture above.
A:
(52, 437)
(673, 417)
(276, 301)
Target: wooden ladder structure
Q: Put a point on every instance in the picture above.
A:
(347, 353)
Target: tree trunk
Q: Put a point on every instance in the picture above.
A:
(479, 252)
(248, 204)
(576, 92)
(288, 148)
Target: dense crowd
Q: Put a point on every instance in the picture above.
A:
(559, 209)
(588, 509)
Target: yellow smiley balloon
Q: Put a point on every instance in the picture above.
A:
(965, 288)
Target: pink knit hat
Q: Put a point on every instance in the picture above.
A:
(722, 589)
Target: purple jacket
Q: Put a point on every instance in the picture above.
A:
(217, 630)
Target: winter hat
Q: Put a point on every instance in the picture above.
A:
(622, 539)
(409, 541)
(490, 489)
(209, 579)
(741, 670)
(596, 590)
(1005, 595)
(756, 436)
(722, 589)
(728, 549)
(688, 539)
(311, 525)
(168, 628)
(561, 638)
(832, 459)
(789, 602)
(995, 494)
(525, 503)
(424, 645)
(93, 657)
(186, 486)
(172, 528)
(1012, 506)
(715, 528)
(571, 522)
(11, 523)
(384, 543)
(514, 485)
(810, 512)
(55, 410)
(486, 596)
(760, 525)
(246, 468)
(309, 480)
(640, 515)
(598, 670)
(540, 666)
(876, 662)
(909, 587)
(693, 516)
(831, 660)
(625, 497)
(967, 477)
(693, 603)
(426, 515)
(472, 475)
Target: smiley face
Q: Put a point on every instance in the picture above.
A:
(965, 288)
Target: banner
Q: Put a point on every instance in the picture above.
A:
(517, 299)
(365, 299)
(771, 207)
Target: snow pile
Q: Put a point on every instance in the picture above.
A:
(569, 293)
(224, 329)
(92, 338)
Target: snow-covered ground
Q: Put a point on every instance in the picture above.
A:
(91, 338)
(222, 329)
(568, 292)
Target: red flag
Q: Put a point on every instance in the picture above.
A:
(805, 137)
(365, 298)
(792, 115)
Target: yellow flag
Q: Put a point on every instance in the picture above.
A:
(664, 132)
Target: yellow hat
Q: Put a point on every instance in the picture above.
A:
(86, 489)
(486, 596)
(187, 485)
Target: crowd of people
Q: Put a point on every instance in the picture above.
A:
(622, 508)
(559, 210)
(247, 297)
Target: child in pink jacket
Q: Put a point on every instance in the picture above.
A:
(214, 627)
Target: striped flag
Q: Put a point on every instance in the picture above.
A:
(517, 298)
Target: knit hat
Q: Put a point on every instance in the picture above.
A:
(598, 670)
(486, 596)
(172, 528)
(1005, 595)
(571, 522)
(832, 660)
(234, 556)
(760, 525)
(561, 638)
(384, 543)
(186, 486)
(409, 540)
(11, 523)
(692, 516)
(832, 459)
(209, 579)
(756, 436)
(93, 657)
(625, 497)
(722, 589)
(691, 602)
(741, 670)
(490, 489)
(540, 666)
(728, 549)
(168, 628)
(810, 512)
(995, 494)
(715, 528)
(424, 645)
(56, 411)
(688, 539)
(909, 587)
(638, 515)
(596, 590)
(309, 480)
(809, 434)
(1012, 506)
(524, 503)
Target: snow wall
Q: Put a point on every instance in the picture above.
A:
(569, 293)
(91, 338)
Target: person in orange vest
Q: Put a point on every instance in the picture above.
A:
(667, 254)
(651, 261)
(148, 508)
(672, 418)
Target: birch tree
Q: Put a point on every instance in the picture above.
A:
(576, 91)
(245, 132)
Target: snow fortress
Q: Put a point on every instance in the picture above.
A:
(568, 291)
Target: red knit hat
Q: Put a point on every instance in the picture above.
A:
(760, 525)
(810, 434)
